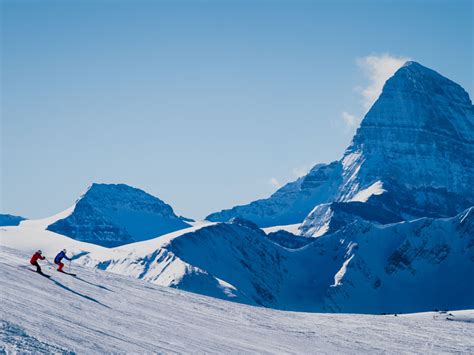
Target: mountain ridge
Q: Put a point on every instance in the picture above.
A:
(115, 214)
(398, 146)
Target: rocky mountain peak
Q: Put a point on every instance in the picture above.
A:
(411, 157)
(117, 214)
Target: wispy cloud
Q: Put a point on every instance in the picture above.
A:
(274, 182)
(377, 68)
(349, 120)
(303, 169)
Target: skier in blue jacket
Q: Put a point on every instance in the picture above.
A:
(57, 260)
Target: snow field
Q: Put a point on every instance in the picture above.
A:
(100, 312)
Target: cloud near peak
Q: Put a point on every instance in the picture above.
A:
(274, 182)
(377, 68)
(350, 120)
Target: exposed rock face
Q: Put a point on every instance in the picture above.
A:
(288, 240)
(10, 220)
(112, 215)
(417, 144)
(411, 157)
(419, 137)
(292, 203)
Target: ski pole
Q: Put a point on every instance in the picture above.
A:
(69, 268)
(49, 262)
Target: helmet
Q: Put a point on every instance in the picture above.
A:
(39, 252)
(64, 250)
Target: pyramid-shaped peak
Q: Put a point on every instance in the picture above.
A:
(419, 98)
(414, 65)
(415, 69)
(415, 78)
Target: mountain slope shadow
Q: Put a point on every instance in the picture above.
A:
(77, 293)
(93, 284)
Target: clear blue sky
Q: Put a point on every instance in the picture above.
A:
(200, 103)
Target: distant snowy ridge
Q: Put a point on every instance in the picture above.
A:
(291, 203)
(10, 220)
(412, 266)
(419, 265)
(44, 223)
(112, 215)
(411, 157)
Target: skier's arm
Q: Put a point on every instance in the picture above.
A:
(65, 257)
(42, 257)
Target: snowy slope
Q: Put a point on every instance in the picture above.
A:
(233, 261)
(29, 240)
(112, 215)
(43, 223)
(29, 237)
(412, 266)
(420, 265)
(411, 157)
(100, 312)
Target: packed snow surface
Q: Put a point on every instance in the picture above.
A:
(100, 312)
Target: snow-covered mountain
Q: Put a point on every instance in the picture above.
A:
(391, 223)
(115, 214)
(291, 203)
(102, 313)
(10, 220)
(411, 157)
(420, 265)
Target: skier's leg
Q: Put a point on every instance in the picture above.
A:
(38, 267)
(60, 268)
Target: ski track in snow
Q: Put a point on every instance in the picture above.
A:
(103, 313)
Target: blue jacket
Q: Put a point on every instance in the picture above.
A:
(60, 257)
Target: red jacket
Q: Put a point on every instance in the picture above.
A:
(35, 258)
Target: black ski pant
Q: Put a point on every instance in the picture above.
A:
(38, 267)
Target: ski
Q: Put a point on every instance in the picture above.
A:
(40, 273)
(67, 273)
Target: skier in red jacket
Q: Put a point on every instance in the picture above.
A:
(34, 260)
